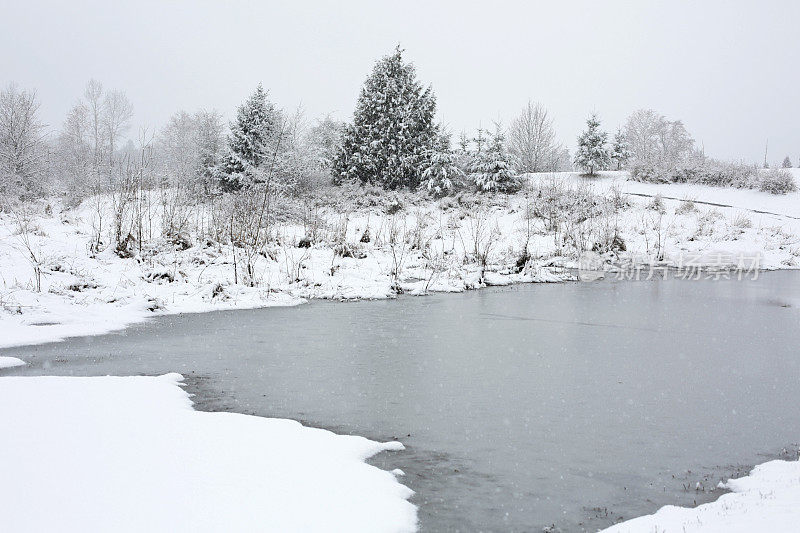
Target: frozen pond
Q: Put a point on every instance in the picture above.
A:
(521, 407)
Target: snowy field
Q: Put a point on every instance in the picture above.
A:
(426, 246)
(130, 454)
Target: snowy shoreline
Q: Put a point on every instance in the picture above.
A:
(361, 252)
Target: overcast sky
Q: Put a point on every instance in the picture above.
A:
(730, 70)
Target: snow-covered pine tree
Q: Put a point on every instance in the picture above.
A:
(392, 129)
(620, 150)
(787, 163)
(491, 169)
(592, 154)
(441, 174)
(250, 140)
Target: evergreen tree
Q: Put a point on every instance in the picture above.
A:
(787, 163)
(592, 154)
(441, 173)
(491, 168)
(250, 140)
(392, 129)
(620, 150)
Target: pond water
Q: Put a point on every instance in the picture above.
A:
(521, 407)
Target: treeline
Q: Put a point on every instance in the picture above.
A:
(392, 141)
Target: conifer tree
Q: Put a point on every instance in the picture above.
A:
(787, 163)
(620, 150)
(250, 140)
(392, 128)
(441, 173)
(592, 154)
(491, 168)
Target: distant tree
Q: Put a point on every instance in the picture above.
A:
(620, 152)
(178, 148)
(563, 161)
(491, 169)
(117, 113)
(74, 154)
(657, 142)
(90, 136)
(593, 153)
(250, 139)
(209, 140)
(21, 143)
(392, 128)
(531, 140)
(441, 174)
(787, 163)
(325, 139)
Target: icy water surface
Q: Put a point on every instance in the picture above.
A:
(523, 407)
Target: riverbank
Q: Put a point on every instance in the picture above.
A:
(56, 281)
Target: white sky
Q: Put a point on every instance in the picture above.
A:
(729, 69)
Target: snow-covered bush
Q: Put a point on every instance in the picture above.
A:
(441, 174)
(657, 204)
(713, 173)
(491, 169)
(687, 206)
(776, 181)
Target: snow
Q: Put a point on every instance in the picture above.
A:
(130, 454)
(8, 362)
(766, 500)
(85, 293)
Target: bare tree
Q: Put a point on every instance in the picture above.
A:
(93, 97)
(531, 140)
(653, 140)
(117, 113)
(21, 144)
(74, 152)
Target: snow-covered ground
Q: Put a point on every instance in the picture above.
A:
(430, 245)
(8, 362)
(130, 454)
(765, 500)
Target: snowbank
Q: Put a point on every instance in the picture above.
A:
(130, 454)
(8, 362)
(766, 500)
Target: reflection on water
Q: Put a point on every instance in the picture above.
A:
(521, 407)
